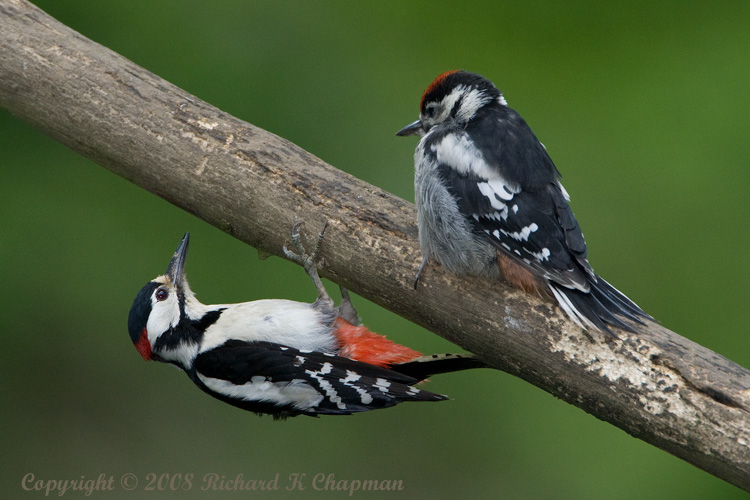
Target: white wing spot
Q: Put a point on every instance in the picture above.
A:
(543, 255)
(523, 234)
(351, 377)
(382, 384)
(498, 216)
(363, 395)
(326, 369)
(331, 393)
(487, 191)
(327, 387)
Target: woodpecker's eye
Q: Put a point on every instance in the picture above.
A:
(162, 294)
(431, 109)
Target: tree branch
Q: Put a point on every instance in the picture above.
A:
(656, 385)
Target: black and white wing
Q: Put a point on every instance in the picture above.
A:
(264, 377)
(512, 197)
(536, 228)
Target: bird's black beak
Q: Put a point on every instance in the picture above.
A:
(411, 129)
(176, 269)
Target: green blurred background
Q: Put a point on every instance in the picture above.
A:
(642, 105)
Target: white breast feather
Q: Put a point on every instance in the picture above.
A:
(285, 322)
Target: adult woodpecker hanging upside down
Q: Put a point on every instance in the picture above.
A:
(490, 202)
(280, 357)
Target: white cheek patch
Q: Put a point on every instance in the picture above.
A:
(470, 104)
(446, 105)
(164, 315)
(472, 100)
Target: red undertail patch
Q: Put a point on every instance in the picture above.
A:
(359, 343)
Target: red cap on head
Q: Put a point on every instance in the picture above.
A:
(436, 83)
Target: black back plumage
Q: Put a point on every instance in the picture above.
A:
(509, 144)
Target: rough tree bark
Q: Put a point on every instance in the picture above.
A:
(656, 385)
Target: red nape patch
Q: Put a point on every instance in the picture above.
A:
(143, 346)
(436, 83)
(360, 344)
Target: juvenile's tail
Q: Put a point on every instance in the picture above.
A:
(599, 307)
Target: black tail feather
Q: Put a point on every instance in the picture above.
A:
(626, 306)
(426, 366)
(600, 307)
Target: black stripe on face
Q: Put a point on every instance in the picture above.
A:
(457, 105)
(187, 330)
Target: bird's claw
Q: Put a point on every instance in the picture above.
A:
(301, 256)
(308, 261)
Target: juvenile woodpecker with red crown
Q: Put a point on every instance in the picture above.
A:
(280, 357)
(490, 203)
